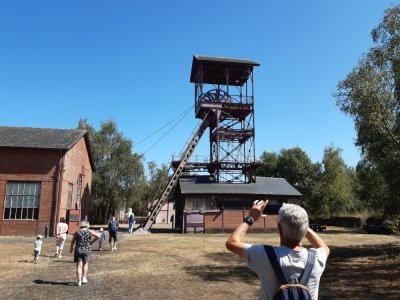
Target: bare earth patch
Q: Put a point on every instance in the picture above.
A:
(176, 266)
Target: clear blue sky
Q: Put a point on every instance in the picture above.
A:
(130, 61)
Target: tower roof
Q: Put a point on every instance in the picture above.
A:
(241, 69)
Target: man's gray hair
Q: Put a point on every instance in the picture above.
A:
(294, 221)
(85, 224)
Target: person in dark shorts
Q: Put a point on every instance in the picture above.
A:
(82, 240)
(113, 229)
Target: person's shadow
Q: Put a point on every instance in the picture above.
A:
(40, 281)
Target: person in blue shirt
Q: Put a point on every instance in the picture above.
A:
(131, 222)
(113, 230)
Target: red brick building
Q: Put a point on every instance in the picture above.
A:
(45, 174)
(204, 205)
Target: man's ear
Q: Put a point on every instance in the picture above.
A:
(280, 229)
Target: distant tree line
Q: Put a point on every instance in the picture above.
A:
(328, 188)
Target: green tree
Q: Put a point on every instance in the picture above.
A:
(336, 185)
(269, 162)
(372, 188)
(370, 94)
(295, 166)
(119, 174)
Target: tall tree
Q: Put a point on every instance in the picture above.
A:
(157, 181)
(336, 185)
(269, 162)
(295, 166)
(370, 94)
(372, 188)
(119, 172)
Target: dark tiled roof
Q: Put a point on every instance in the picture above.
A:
(263, 186)
(39, 138)
(225, 60)
(241, 69)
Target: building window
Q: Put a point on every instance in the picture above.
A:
(22, 200)
(78, 192)
(233, 203)
(200, 203)
(69, 201)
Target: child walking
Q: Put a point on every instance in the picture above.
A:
(101, 238)
(37, 248)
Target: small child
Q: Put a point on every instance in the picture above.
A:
(101, 238)
(37, 248)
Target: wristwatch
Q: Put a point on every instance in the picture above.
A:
(249, 220)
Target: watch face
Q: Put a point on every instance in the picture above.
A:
(249, 220)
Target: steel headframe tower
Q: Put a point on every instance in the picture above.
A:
(224, 88)
(224, 101)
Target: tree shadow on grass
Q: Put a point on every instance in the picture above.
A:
(40, 281)
(227, 268)
(384, 251)
(362, 272)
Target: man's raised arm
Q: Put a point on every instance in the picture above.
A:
(235, 241)
(317, 242)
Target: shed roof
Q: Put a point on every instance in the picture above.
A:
(262, 186)
(42, 138)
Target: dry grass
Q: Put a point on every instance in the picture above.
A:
(175, 266)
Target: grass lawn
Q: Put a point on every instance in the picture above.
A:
(192, 266)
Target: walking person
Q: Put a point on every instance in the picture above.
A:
(82, 240)
(113, 232)
(102, 238)
(62, 229)
(290, 257)
(37, 248)
(131, 222)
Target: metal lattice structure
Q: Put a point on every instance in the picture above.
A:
(224, 87)
(224, 101)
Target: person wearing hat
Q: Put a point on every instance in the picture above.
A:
(37, 248)
(82, 240)
(101, 238)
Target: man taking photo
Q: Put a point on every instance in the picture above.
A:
(291, 256)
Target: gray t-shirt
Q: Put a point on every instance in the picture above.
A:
(292, 262)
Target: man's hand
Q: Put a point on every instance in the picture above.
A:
(257, 209)
(235, 241)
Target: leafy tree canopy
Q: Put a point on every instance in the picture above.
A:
(119, 175)
(294, 165)
(370, 94)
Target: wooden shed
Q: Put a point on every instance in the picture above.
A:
(204, 205)
(45, 174)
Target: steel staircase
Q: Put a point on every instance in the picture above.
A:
(144, 227)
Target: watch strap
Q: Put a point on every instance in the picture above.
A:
(249, 220)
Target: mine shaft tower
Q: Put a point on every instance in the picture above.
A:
(224, 102)
(224, 90)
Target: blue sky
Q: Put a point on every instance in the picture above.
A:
(130, 61)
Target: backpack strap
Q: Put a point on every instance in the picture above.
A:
(305, 277)
(275, 264)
